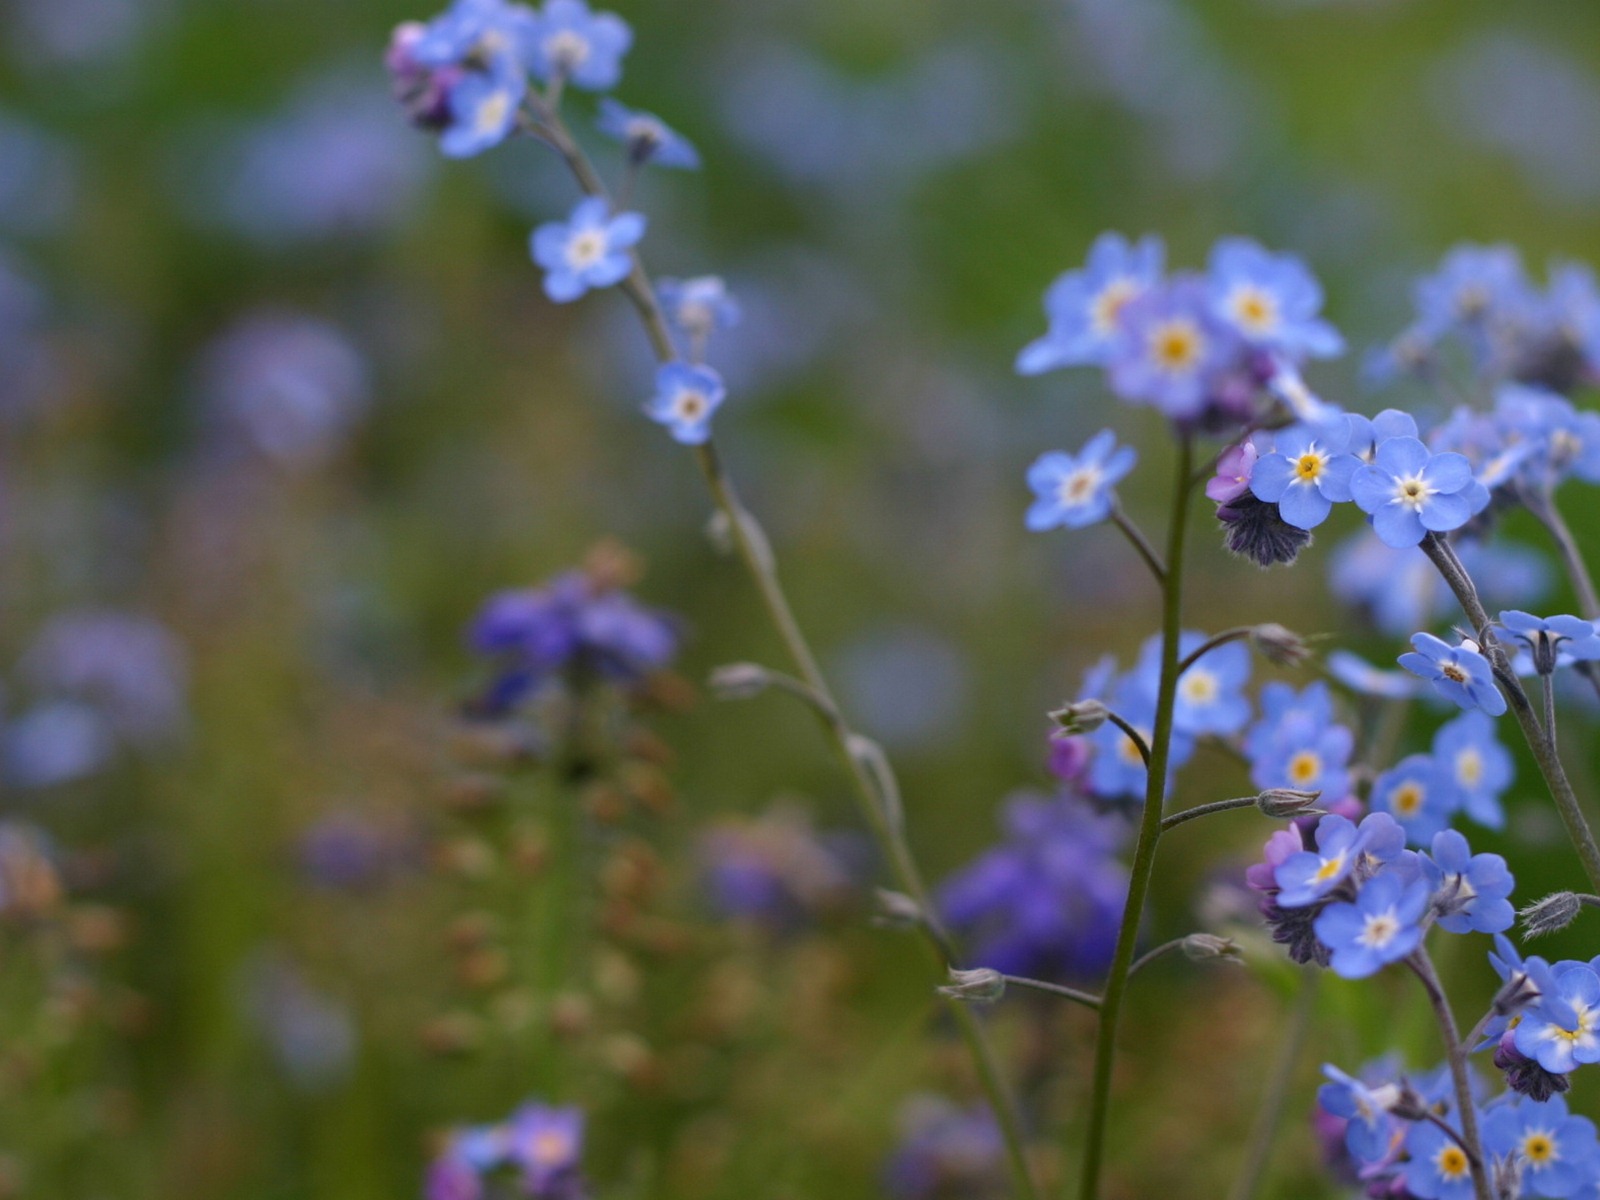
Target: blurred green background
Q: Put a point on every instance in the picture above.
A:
(889, 185)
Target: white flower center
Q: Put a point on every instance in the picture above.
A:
(690, 404)
(586, 248)
(1254, 309)
(1469, 767)
(1413, 492)
(1105, 310)
(645, 129)
(1379, 929)
(1199, 686)
(567, 49)
(1079, 487)
(492, 113)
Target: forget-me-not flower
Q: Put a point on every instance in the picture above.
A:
(647, 137)
(1417, 795)
(698, 307)
(1085, 306)
(1309, 875)
(1561, 1029)
(1468, 752)
(1272, 300)
(583, 48)
(1371, 1127)
(1298, 744)
(1558, 1153)
(685, 399)
(1438, 1168)
(1383, 925)
(1571, 638)
(1117, 769)
(590, 249)
(1076, 490)
(1409, 491)
(1474, 286)
(1470, 890)
(483, 112)
(1210, 696)
(1460, 673)
(1306, 474)
(1168, 348)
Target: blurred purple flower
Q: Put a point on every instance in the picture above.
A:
(947, 1153)
(312, 1035)
(776, 870)
(128, 669)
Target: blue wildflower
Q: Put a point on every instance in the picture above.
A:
(1474, 288)
(685, 399)
(1553, 440)
(1558, 1153)
(1572, 638)
(1469, 890)
(1460, 673)
(1383, 925)
(1298, 744)
(1371, 1128)
(1357, 674)
(1272, 300)
(1210, 696)
(698, 308)
(1409, 491)
(1416, 793)
(647, 137)
(1306, 474)
(1085, 306)
(1561, 1029)
(776, 870)
(1169, 349)
(945, 1151)
(485, 34)
(588, 250)
(1477, 764)
(483, 112)
(1076, 490)
(1311, 875)
(580, 47)
(1438, 1168)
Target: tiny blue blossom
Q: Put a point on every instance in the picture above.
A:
(1533, 973)
(493, 33)
(685, 400)
(1438, 1168)
(1557, 1152)
(1382, 926)
(1169, 348)
(1549, 439)
(1460, 673)
(1417, 795)
(1272, 300)
(699, 307)
(483, 112)
(588, 250)
(583, 48)
(1371, 1128)
(1085, 306)
(1210, 697)
(1306, 474)
(647, 137)
(1357, 674)
(1470, 890)
(1475, 286)
(1553, 641)
(1561, 1029)
(1076, 490)
(1308, 876)
(1409, 491)
(1298, 744)
(1468, 752)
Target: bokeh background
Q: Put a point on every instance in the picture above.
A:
(281, 402)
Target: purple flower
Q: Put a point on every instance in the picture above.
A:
(1086, 306)
(685, 400)
(776, 870)
(590, 249)
(1460, 673)
(1077, 490)
(945, 1152)
(1235, 468)
(1409, 491)
(545, 1144)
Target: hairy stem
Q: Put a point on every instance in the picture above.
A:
(864, 764)
(1541, 743)
(1422, 965)
(1205, 810)
(1087, 999)
(1149, 829)
(1275, 1100)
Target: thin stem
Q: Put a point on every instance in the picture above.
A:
(1150, 956)
(1275, 1100)
(1211, 643)
(1548, 683)
(1087, 999)
(872, 782)
(1137, 539)
(1555, 776)
(1422, 965)
(1134, 736)
(1205, 810)
(1542, 505)
(1149, 829)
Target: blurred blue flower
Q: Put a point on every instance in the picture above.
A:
(1459, 673)
(1382, 926)
(1419, 795)
(587, 250)
(1572, 639)
(1558, 1154)
(1554, 441)
(1168, 348)
(312, 1034)
(1272, 300)
(1371, 1128)
(483, 112)
(776, 870)
(685, 400)
(569, 42)
(1117, 769)
(1085, 306)
(1298, 744)
(1210, 697)
(1077, 490)
(647, 137)
(54, 743)
(1357, 674)
(697, 308)
(39, 182)
(1475, 288)
(1475, 762)
(1409, 491)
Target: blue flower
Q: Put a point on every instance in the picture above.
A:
(1210, 696)
(684, 401)
(1469, 890)
(588, 250)
(1409, 491)
(647, 137)
(1076, 490)
(583, 48)
(1474, 287)
(1438, 1168)
(1572, 638)
(1306, 474)
(1561, 1029)
(1357, 674)
(483, 112)
(1551, 440)
(1117, 769)
(1085, 306)
(1382, 926)
(698, 308)
(1532, 978)
(1309, 875)
(1476, 763)
(1417, 794)
(1558, 1153)
(1169, 349)
(1272, 300)
(488, 33)
(1371, 1128)
(1460, 673)
(1297, 743)
(945, 1151)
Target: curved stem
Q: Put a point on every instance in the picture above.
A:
(1555, 776)
(1422, 966)
(1133, 736)
(870, 775)
(1275, 1100)
(1149, 829)
(1087, 999)
(1150, 956)
(1205, 810)
(1137, 539)
(1211, 643)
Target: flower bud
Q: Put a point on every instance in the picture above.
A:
(740, 681)
(1081, 716)
(1286, 804)
(1203, 947)
(1279, 645)
(1554, 912)
(1407, 1104)
(980, 986)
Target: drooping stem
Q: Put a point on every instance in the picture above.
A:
(1275, 1100)
(1160, 952)
(1456, 1051)
(1133, 735)
(872, 779)
(1087, 999)
(1212, 642)
(1138, 541)
(1205, 810)
(1149, 829)
(1555, 776)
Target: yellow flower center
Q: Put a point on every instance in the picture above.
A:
(1105, 310)
(1408, 799)
(1539, 1149)
(1128, 749)
(1199, 687)
(1330, 868)
(1304, 767)
(1255, 310)
(1176, 346)
(1308, 467)
(1452, 1163)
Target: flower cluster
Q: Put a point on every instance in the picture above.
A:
(538, 1145)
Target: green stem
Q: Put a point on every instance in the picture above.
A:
(1211, 643)
(1542, 745)
(1275, 1100)
(1422, 965)
(1087, 999)
(1205, 810)
(1149, 830)
(864, 764)
(1138, 541)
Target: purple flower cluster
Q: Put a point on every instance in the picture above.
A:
(947, 1153)
(776, 870)
(538, 1145)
